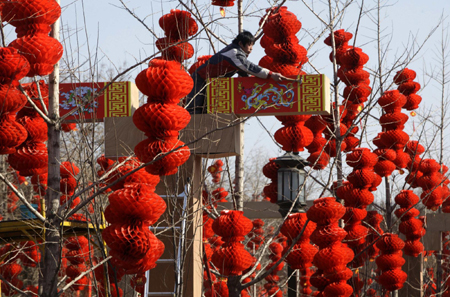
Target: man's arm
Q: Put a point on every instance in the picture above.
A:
(238, 59)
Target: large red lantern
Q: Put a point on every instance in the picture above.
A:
(41, 51)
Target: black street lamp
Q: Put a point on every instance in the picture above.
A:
(291, 177)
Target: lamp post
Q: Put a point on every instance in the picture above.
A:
(291, 177)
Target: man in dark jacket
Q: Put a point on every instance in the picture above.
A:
(226, 63)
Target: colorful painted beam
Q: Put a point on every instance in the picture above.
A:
(120, 99)
(245, 96)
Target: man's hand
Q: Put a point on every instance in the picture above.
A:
(278, 77)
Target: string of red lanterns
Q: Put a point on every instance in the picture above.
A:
(351, 61)
(31, 158)
(331, 260)
(302, 254)
(318, 157)
(13, 67)
(408, 87)
(411, 227)
(276, 248)
(357, 197)
(390, 262)
(133, 207)
(78, 254)
(232, 257)
(270, 170)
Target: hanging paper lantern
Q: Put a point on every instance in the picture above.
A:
(178, 24)
(270, 170)
(390, 262)
(393, 121)
(232, 224)
(223, 3)
(409, 87)
(354, 57)
(177, 50)
(12, 134)
(357, 93)
(281, 25)
(135, 202)
(404, 76)
(161, 120)
(412, 102)
(361, 158)
(13, 66)
(317, 144)
(30, 160)
(32, 91)
(289, 52)
(30, 16)
(318, 160)
(11, 99)
(10, 270)
(148, 150)
(36, 128)
(41, 51)
(232, 259)
(395, 139)
(353, 76)
(164, 82)
(340, 38)
(130, 241)
(392, 101)
(294, 138)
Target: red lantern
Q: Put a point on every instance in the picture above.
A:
(319, 160)
(288, 52)
(340, 38)
(30, 159)
(353, 76)
(223, 3)
(232, 224)
(164, 82)
(41, 51)
(161, 120)
(36, 128)
(392, 101)
(325, 211)
(281, 25)
(13, 66)
(393, 121)
(135, 202)
(150, 149)
(12, 134)
(173, 49)
(361, 158)
(30, 16)
(357, 93)
(178, 24)
(11, 99)
(404, 76)
(232, 258)
(294, 138)
(353, 58)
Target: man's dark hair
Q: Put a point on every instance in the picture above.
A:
(245, 37)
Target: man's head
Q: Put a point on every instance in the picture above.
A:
(245, 40)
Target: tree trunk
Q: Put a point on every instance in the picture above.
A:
(52, 257)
